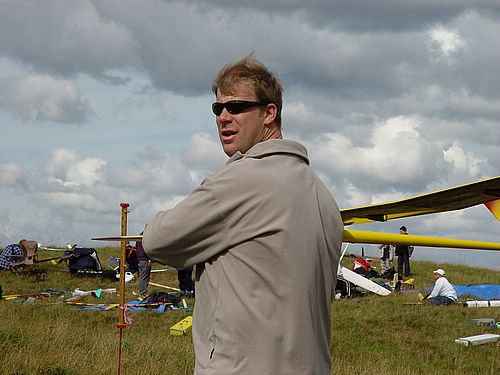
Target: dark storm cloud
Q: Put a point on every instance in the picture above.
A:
(440, 64)
(180, 45)
(63, 37)
(366, 15)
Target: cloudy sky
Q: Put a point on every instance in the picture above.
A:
(103, 102)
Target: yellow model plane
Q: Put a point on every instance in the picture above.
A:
(457, 198)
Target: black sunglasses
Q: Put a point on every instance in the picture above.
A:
(235, 106)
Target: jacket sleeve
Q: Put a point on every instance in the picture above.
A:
(190, 233)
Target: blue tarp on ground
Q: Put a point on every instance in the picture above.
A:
(484, 291)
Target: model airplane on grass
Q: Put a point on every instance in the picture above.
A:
(457, 198)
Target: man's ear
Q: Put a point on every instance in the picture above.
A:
(271, 113)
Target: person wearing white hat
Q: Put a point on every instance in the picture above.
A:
(443, 293)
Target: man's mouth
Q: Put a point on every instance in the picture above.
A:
(227, 135)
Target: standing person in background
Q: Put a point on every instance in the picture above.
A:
(265, 235)
(186, 284)
(144, 268)
(443, 292)
(131, 259)
(403, 252)
(386, 258)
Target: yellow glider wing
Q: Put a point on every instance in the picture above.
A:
(119, 238)
(357, 236)
(455, 198)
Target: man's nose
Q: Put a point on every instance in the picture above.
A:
(225, 116)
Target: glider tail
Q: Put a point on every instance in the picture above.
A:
(494, 207)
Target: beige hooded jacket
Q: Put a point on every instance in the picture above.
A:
(265, 234)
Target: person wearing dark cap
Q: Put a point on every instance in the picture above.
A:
(443, 293)
(403, 252)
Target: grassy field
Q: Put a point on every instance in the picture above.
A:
(370, 334)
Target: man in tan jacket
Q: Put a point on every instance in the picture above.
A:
(265, 234)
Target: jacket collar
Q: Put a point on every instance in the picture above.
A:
(270, 147)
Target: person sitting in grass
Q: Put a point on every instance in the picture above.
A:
(443, 292)
(10, 255)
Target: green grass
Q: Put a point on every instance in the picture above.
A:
(370, 334)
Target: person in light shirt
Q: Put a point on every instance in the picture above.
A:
(443, 292)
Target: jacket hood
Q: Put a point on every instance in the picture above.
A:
(272, 146)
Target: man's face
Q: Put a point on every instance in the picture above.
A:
(239, 132)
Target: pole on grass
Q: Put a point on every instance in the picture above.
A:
(121, 319)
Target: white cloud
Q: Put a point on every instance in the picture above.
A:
(6, 227)
(394, 152)
(74, 200)
(168, 176)
(204, 156)
(66, 168)
(43, 98)
(10, 173)
(203, 150)
(463, 163)
(62, 159)
(444, 43)
(166, 204)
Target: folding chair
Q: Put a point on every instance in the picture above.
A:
(40, 274)
(346, 288)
